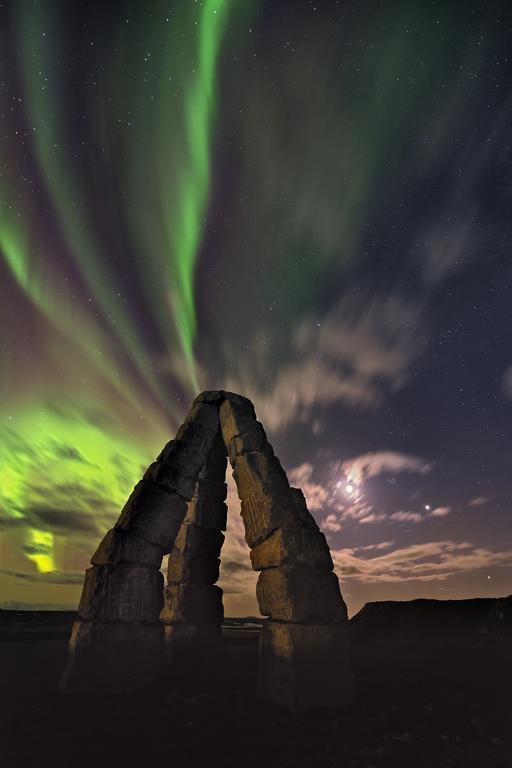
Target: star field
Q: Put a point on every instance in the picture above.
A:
(309, 204)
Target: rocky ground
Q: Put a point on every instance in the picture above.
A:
(434, 689)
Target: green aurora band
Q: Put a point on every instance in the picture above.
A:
(44, 447)
(184, 239)
(168, 183)
(127, 145)
(40, 45)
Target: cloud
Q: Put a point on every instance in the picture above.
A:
(456, 228)
(431, 561)
(440, 512)
(356, 511)
(355, 355)
(479, 501)
(237, 578)
(506, 383)
(62, 520)
(379, 546)
(406, 517)
(353, 506)
(372, 518)
(68, 453)
(446, 247)
(49, 577)
(331, 524)
(316, 495)
(384, 462)
(417, 517)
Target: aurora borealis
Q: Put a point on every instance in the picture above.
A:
(305, 203)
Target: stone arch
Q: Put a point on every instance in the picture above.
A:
(127, 628)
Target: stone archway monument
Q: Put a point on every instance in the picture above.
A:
(127, 627)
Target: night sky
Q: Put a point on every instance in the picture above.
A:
(305, 203)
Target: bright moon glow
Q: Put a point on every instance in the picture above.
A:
(350, 488)
(427, 507)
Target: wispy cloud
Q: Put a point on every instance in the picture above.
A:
(316, 495)
(455, 231)
(374, 517)
(416, 517)
(440, 512)
(384, 462)
(354, 355)
(406, 517)
(506, 383)
(345, 500)
(331, 524)
(479, 501)
(431, 561)
(446, 246)
(237, 578)
(380, 545)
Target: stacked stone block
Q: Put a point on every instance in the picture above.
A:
(193, 612)
(303, 649)
(125, 624)
(117, 643)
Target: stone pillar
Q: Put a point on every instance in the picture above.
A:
(193, 612)
(303, 648)
(117, 642)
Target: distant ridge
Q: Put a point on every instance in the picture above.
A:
(473, 619)
(14, 605)
(24, 624)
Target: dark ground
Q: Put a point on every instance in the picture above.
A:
(434, 689)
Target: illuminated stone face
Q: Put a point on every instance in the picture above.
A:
(296, 588)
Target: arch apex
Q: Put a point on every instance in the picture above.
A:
(179, 507)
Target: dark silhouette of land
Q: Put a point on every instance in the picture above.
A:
(433, 689)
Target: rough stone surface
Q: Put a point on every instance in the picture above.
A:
(199, 541)
(200, 427)
(207, 491)
(184, 457)
(303, 667)
(303, 655)
(167, 470)
(236, 416)
(211, 396)
(259, 474)
(292, 546)
(206, 513)
(113, 657)
(263, 514)
(187, 604)
(301, 512)
(240, 430)
(122, 592)
(302, 595)
(268, 502)
(249, 442)
(200, 570)
(119, 546)
(168, 477)
(214, 469)
(153, 513)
